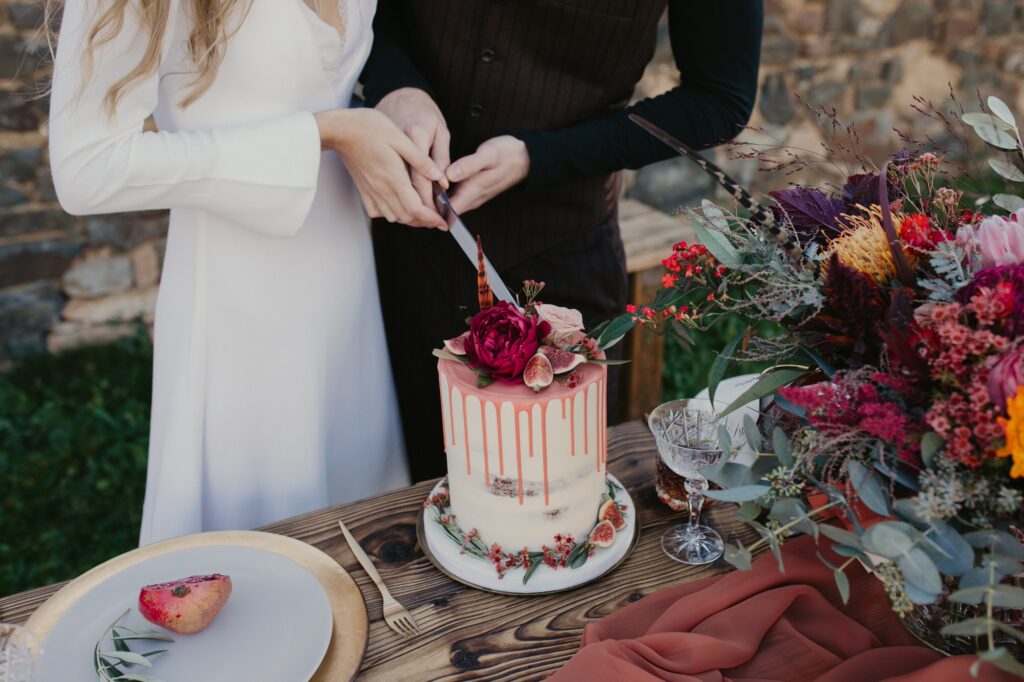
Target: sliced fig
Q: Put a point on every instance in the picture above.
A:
(457, 346)
(610, 512)
(538, 373)
(603, 534)
(562, 361)
(185, 606)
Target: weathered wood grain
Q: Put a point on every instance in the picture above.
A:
(468, 634)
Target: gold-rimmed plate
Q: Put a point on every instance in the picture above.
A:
(347, 631)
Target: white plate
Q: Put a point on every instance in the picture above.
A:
(276, 626)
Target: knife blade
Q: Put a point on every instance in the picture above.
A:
(467, 243)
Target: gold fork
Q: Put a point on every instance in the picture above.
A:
(395, 615)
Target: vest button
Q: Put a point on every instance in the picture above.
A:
(475, 110)
(487, 56)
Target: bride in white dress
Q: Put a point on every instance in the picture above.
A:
(272, 391)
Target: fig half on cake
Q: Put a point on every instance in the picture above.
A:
(185, 606)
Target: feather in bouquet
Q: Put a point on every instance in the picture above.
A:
(896, 404)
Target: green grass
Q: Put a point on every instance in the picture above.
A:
(73, 435)
(686, 369)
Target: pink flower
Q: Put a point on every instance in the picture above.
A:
(1006, 375)
(1001, 240)
(502, 339)
(565, 323)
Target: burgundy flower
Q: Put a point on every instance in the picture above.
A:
(502, 339)
(1005, 281)
(1004, 378)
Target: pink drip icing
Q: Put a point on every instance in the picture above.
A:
(501, 441)
(444, 423)
(572, 425)
(519, 455)
(586, 428)
(483, 426)
(597, 409)
(451, 409)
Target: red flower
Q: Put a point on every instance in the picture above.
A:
(630, 308)
(502, 339)
(669, 280)
(917, 233)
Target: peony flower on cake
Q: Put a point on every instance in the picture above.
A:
(502, 339)
(532, 345)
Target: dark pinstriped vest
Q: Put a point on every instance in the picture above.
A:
(505, 66)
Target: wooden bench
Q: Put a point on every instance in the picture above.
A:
(648, 236)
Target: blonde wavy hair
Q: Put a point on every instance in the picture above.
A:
(210, 30)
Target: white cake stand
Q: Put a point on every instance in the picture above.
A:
(479, 573)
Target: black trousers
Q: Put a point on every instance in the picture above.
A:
(428, 290)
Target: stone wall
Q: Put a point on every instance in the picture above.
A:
(66, 281)
(866, 58)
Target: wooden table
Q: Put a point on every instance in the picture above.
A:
(468, 634)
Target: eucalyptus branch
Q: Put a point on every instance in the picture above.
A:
(791, 524)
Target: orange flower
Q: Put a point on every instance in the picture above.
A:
(1014, 433)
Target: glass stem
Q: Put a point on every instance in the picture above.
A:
(695, 488)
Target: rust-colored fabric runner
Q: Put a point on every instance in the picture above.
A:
(760, 625)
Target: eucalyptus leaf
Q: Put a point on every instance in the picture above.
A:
(869, 488)
(729, 474)
(752, 432)
(744, 493)
(998, 541)
(1007, 170)
(931, 443)
(976, 577)
(782, 446)
(887, 539)
(766, 385)
(971, 595)
(919, 570)
(1008, 202)
(1002, 564)
(738, 556)
(717, 243)
(843, 583)
(748, 511)
(819, 360)
(950, 552)
(972, 627)
(789, 510)
(840, 535)
(1008, 596)
(1000, 658)
(996, 137)
(724, 441)
(127, 657)
(984, 119)
(615, 331)
(1012, 631)
(999, 108)
(721, 363)
(917, 595)
(843, 550)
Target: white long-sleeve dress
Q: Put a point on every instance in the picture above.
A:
(272, 390)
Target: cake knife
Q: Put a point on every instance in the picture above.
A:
(467, 243)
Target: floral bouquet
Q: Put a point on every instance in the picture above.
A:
(896, 399)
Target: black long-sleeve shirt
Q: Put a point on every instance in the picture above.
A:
(716, 46)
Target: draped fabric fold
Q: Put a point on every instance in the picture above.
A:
(761, 625)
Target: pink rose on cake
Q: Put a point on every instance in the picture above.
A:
(566, 324)
(502, 339)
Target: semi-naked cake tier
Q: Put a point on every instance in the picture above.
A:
(524, 466)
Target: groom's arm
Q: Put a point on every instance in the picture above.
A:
(390, 66)
(717, 48)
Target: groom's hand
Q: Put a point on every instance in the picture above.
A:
(498, 164)
(418, 116)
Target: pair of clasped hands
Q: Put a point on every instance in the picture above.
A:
(395, 151)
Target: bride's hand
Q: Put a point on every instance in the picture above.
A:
(376, 152)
